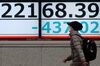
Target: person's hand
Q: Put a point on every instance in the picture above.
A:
(65, 60)
(84, 64)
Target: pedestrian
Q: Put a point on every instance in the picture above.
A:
(77, 55)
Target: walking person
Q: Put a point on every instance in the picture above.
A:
(77, 55)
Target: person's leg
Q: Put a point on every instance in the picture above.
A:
(71, 64)
(75, 64)
(88, 63)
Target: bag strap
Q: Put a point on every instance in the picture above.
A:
(79, 36)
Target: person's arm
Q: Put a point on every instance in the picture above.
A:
(69, 58)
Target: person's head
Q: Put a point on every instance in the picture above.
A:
(70, 29)
(75, 26)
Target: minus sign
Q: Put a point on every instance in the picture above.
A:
(34, 27)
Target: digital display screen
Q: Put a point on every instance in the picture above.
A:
(19, 19)
(55, 16)
(22, 19)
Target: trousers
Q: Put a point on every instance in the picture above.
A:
(77, 64)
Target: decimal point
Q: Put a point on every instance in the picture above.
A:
(70, 15)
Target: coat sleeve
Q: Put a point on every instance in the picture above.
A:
(69, 57)
(77, 45)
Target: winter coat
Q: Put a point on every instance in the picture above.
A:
(76, 49)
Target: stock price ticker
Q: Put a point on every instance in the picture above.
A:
(18, 18)
(22, 18)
